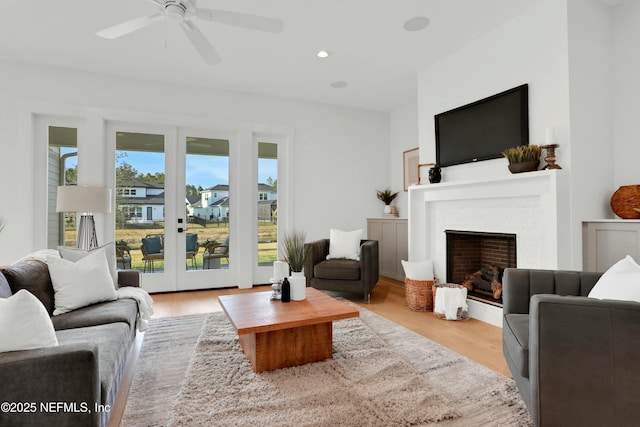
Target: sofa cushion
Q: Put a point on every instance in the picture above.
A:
(25, 323)
(516, 341)
(337, 269)
(81, 283)
(123, 310)
(33, 276)
(5, 289)
(113, 342)
(76, 254)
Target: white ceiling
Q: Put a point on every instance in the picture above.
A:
(370, 50)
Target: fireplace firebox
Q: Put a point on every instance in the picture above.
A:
(477, 259)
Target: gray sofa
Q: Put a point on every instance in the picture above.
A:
(575, 360)
(343, 275)
(83, 371)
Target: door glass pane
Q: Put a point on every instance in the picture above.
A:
(207, 203)
(140, 206)
(62, 170)
(267, 203)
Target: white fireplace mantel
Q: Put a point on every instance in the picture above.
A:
(532, 205)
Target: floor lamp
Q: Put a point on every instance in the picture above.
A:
(85, 200)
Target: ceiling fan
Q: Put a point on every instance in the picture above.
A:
(182, 12)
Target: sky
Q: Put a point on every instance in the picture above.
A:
(205, 171)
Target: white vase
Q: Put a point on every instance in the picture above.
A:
(387, 209)
(298, 286)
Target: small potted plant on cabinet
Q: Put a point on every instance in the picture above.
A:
(386, 196)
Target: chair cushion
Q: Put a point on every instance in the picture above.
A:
(516, 341)
(153, 244)
(192, 242)
(337, 269)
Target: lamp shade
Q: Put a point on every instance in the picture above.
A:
(83, 199)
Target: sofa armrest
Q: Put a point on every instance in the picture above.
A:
(584, 361)
(41, 378)
(316, 252)
(129, 278)
(369, 261)
(520, 284)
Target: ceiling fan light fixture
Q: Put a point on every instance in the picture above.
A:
(323, 54)
(175, 12)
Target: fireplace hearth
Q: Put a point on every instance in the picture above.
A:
(477, 259)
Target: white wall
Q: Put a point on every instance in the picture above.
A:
(562, 49)
(591, 116)
(340, 154)
(626, 93)
(404, 136)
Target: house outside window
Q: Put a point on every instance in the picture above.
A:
(263, 196)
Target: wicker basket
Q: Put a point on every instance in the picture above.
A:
(461, 315)
(419, 294)
(625, 202)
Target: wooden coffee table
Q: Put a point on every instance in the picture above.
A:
(276, 335)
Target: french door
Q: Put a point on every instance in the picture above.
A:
(191, 209)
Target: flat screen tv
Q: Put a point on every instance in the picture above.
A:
(483, 129)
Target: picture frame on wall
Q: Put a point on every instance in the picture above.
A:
(410, 162)
(423, 172)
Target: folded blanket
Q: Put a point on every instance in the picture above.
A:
(40, 255)
(448, 300)
(145, 304)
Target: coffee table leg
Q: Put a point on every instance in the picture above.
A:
(288, 347)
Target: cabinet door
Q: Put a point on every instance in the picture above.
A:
(606, 243)
(388, 259)
(402, 247)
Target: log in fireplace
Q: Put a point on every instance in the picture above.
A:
(477, 259)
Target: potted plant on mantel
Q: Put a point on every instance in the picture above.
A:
(523, 158)
(387, 197)
(295, 255)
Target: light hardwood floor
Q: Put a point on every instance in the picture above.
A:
(472, 338)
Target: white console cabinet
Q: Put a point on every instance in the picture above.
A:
(604, 242)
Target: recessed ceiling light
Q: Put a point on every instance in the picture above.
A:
(340, 84)
(416, 24)
(322, 54)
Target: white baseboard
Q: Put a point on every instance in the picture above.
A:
(485, 312)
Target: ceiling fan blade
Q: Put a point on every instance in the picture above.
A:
(200, 42)
(129, 26)
(244, 20)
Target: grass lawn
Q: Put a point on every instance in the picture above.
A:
(267, 241)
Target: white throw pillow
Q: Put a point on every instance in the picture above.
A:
(344, 244)
(76, 254)
(620, 282)
(418, 270)
(25, 323)
(81, 283)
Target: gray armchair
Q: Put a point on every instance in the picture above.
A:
(575, 360)
(342, 275)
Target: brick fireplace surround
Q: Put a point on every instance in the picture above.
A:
(528, 205)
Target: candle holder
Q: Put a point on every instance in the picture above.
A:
(550, 157)
(276, 286)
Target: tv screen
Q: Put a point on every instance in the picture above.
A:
(483, 129)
